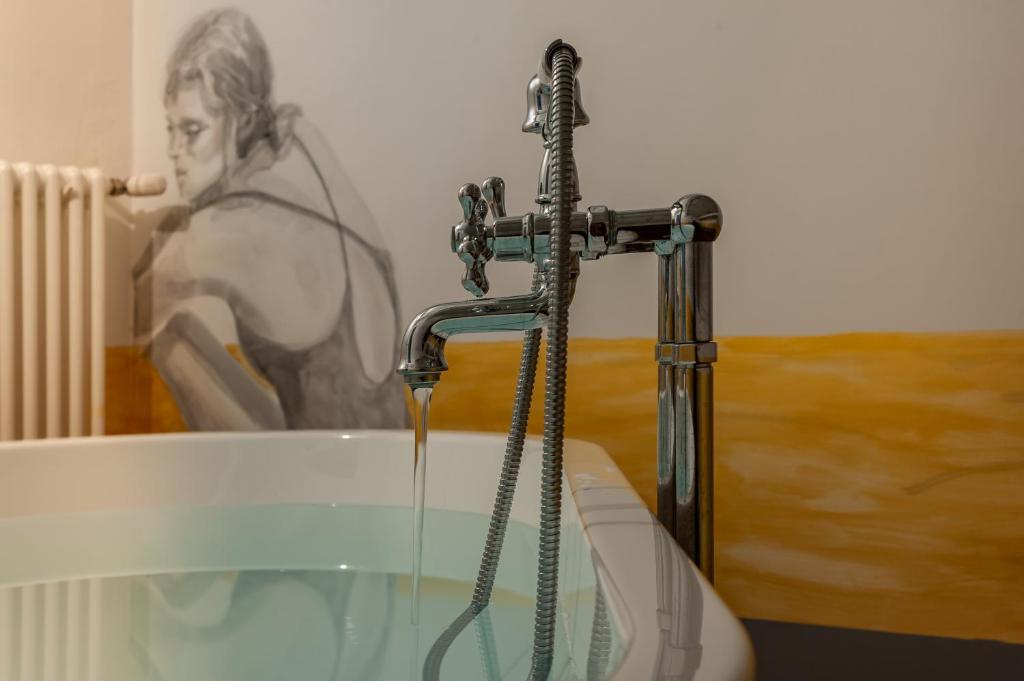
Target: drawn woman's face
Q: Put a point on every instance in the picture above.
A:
(199, 141)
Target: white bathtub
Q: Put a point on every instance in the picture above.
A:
(125, 558)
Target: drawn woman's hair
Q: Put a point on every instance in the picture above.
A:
(223, 52)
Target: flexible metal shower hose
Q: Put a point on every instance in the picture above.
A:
(563, 69)
(513, 457)
(563, 77)
(502, 501)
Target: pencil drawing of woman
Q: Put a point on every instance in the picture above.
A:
(274, 238)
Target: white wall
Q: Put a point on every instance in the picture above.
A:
(65, 88)
(866, 154)
(65, 74)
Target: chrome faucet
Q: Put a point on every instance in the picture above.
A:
(681, 235)
(422, 352)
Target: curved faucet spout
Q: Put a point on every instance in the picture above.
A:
(422, 353)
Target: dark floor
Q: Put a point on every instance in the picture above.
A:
(792, 652)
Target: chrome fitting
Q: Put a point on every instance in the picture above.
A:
(680, 231)
(510, 244)
(686, 354)
(599, 232)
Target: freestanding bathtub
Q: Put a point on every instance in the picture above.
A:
(287, 556)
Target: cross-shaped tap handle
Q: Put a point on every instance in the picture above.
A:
(494, 194)
(469, 240)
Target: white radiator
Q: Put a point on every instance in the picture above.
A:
(51, 301)
(52, 248)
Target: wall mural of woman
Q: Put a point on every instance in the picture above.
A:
(276, 236)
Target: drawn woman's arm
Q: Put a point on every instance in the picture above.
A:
(213, 391)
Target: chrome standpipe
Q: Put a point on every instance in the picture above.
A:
(685, 353)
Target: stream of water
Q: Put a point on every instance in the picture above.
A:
(421, 397)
